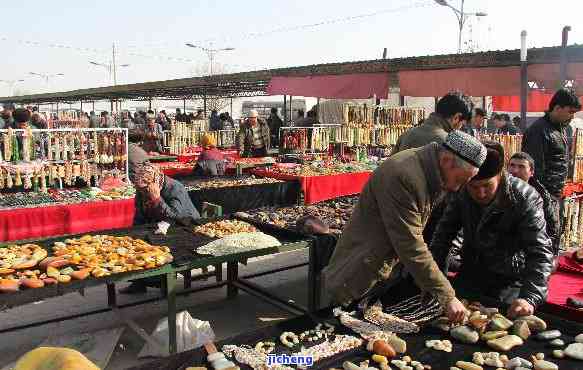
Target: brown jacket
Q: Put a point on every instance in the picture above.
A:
(387, 225)
(433, 129)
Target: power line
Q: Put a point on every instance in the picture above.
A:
(418, 4)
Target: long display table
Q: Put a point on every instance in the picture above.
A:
(416, 348)
(320, 188)
(40, 222)
(182, 243)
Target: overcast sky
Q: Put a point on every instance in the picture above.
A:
(150, 35)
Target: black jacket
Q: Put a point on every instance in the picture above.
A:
(505, 244)
(508, 129)
(551, 214)
(546, 143)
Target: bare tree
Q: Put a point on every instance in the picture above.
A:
(212, 103)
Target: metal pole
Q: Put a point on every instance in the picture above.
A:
(204, 104)
(385, 53)
(523, 79)
(231, 113)
(57, 110)
(81, 108)
(114, 67)
(184, 105)
(149, 103)
(563, 70)
(291, 109)
(93, 105)
(285, 110)
(111, 105)
(318, 110)
(461, 24)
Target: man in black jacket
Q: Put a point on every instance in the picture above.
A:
(506, 254)
(547, 143)
(521, 165)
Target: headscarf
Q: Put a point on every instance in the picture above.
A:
(146, 174)
(208, 141)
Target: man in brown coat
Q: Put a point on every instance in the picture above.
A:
(387, 223)
(451, 112)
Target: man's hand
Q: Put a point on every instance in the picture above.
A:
(455, 311)
(154, 191)
(520, 307)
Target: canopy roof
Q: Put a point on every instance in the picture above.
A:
(255, 83)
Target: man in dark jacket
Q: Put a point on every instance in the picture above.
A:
(451, 112)
(506, 254)
(546, 142)
(475, 127)
(274, 123)
(504, 126)
(521, 165)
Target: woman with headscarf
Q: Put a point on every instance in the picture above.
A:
(211, 161)
(161, 198)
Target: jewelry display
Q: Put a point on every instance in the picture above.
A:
(511, 143)
(289, 339)
(265, 347)
(375, 315)
(329, 348)
(61, 156)
(251, 357)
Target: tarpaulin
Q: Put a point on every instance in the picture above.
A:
(537, 101)
(321, 188)
(487, 81)
(349, 86)
(33, 223)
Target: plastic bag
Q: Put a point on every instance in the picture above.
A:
(190, 334)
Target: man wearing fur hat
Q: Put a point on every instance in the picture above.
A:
(506, 254)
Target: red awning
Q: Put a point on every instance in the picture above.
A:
(537, 101)
(471, 81)
(486, 81)
(350, 86)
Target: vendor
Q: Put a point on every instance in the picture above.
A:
(254, 137)
(160, 198)
(387, 223)
(522, 166)
(152, 135)
(21, 118)
(211, 161)
(506, 254)
(136, 155)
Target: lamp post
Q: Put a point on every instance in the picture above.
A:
(461, 17)
(111, 66)
(46, 76)
(210, 52)
(523, 79)
(11, 84)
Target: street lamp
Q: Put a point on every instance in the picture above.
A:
(11, 84)
(210, 52)
(46, 76)
(111, 69)
(461, 17)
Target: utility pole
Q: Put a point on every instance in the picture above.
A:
(113, 65)
(563, 66)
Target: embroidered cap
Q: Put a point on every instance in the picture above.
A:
(466, 147)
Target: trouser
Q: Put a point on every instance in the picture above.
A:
(256, 152)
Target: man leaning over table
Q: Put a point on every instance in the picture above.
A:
(387, 223)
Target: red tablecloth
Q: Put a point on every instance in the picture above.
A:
(321, 188)
(33, 223)
(568, 264)
(192, 157)
(563, 285)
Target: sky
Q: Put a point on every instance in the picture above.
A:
(62, 36)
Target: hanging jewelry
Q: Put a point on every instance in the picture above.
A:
(8, 180)
(17, 178)
(1, 179)
(27, 181)
(43, 181)
(49, 146)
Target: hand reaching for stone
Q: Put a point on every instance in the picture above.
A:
(520, 307)
(455, 311)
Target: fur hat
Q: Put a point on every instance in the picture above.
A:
(494, 162)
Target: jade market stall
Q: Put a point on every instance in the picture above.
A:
(63, 181)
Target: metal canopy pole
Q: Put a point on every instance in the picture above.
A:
(184, 105)
(291, 109)
(149, 103)
(285, 110)
(563, 70)
(523, 79)
(93, 105)
(111, 105)
(231, 113)
(57, 110)
(81, 108)
(204, 104)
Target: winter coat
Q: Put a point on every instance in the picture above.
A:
(245, 136)
(551, 214)
(386, 227)
(433, 129)
(505, 244)
(546, 143)
(174, 205)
